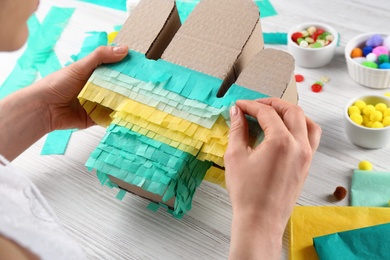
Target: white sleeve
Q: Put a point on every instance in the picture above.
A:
(27, 219)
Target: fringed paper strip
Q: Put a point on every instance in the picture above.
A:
(216, 175)
(154, 94)
(188, 83)
(148, 164)
(211, 143)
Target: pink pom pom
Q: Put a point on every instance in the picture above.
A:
(380, 50)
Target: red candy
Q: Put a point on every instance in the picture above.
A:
(316, 88)
(296, 36)
(299, 78)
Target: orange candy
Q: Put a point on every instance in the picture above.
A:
(357, 52)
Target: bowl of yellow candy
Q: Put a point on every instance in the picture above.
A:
(367, 121)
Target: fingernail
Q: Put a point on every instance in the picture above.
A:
(119, 50)
(233, 111)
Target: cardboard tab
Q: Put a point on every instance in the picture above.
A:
(271, 72)
(150, 27)
(214, 36)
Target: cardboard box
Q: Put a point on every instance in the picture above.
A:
(167, 104)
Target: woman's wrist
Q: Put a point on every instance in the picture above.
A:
(256, 235)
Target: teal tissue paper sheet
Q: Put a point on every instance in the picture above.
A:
(371, 243)
(114, 4)
(370, 188)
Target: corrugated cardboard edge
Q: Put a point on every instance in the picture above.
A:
(141, 192)
(254, 45)
(271, 72)
(150, 27)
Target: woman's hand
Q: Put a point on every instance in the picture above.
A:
(264, 182)
(50, 104)
(62, 88)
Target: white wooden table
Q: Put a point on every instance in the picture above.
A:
(111, 229)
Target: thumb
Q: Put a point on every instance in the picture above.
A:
(103, 54)
(238, 136)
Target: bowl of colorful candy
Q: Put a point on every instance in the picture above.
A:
(312, 44)
(367, 121)
(367, 58)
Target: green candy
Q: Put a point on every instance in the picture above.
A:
(319, 83)
(370, 64)
(323, 36)
(299, 40)
(383, 59)
(316, 45)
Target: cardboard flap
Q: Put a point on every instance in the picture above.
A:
(150, 27)
(270, 72)
(213, 36)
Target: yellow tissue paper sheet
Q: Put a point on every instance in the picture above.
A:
(307, 222)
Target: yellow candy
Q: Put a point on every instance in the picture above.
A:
(360, 104)
(368, 110)
(387, 94)
(368, 124)
(386, 121)
(366, 119)
(365, 166)
(311, 30)
(353, 110)
(381, 107)
(386, 112)
(377, 125)
(357, 118)
(304, 34)
(369, 115)
(376, 116)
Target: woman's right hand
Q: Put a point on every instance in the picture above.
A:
(264, 182)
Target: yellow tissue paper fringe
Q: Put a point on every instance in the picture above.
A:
(165, 127)
(176, 129)
(215, 175)
(111, 37)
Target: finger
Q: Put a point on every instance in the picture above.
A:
(268, 119)
(238, 136)
(292, 115)
(314, 134)
(103, 54)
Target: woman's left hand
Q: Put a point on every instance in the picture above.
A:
(62, 88)
(50, 104)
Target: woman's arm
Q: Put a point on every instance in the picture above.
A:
(50, 104)
(23, 120)
(264, 182)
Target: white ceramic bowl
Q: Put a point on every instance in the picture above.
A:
(312, 57)
(370, 138)
(372, 78)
